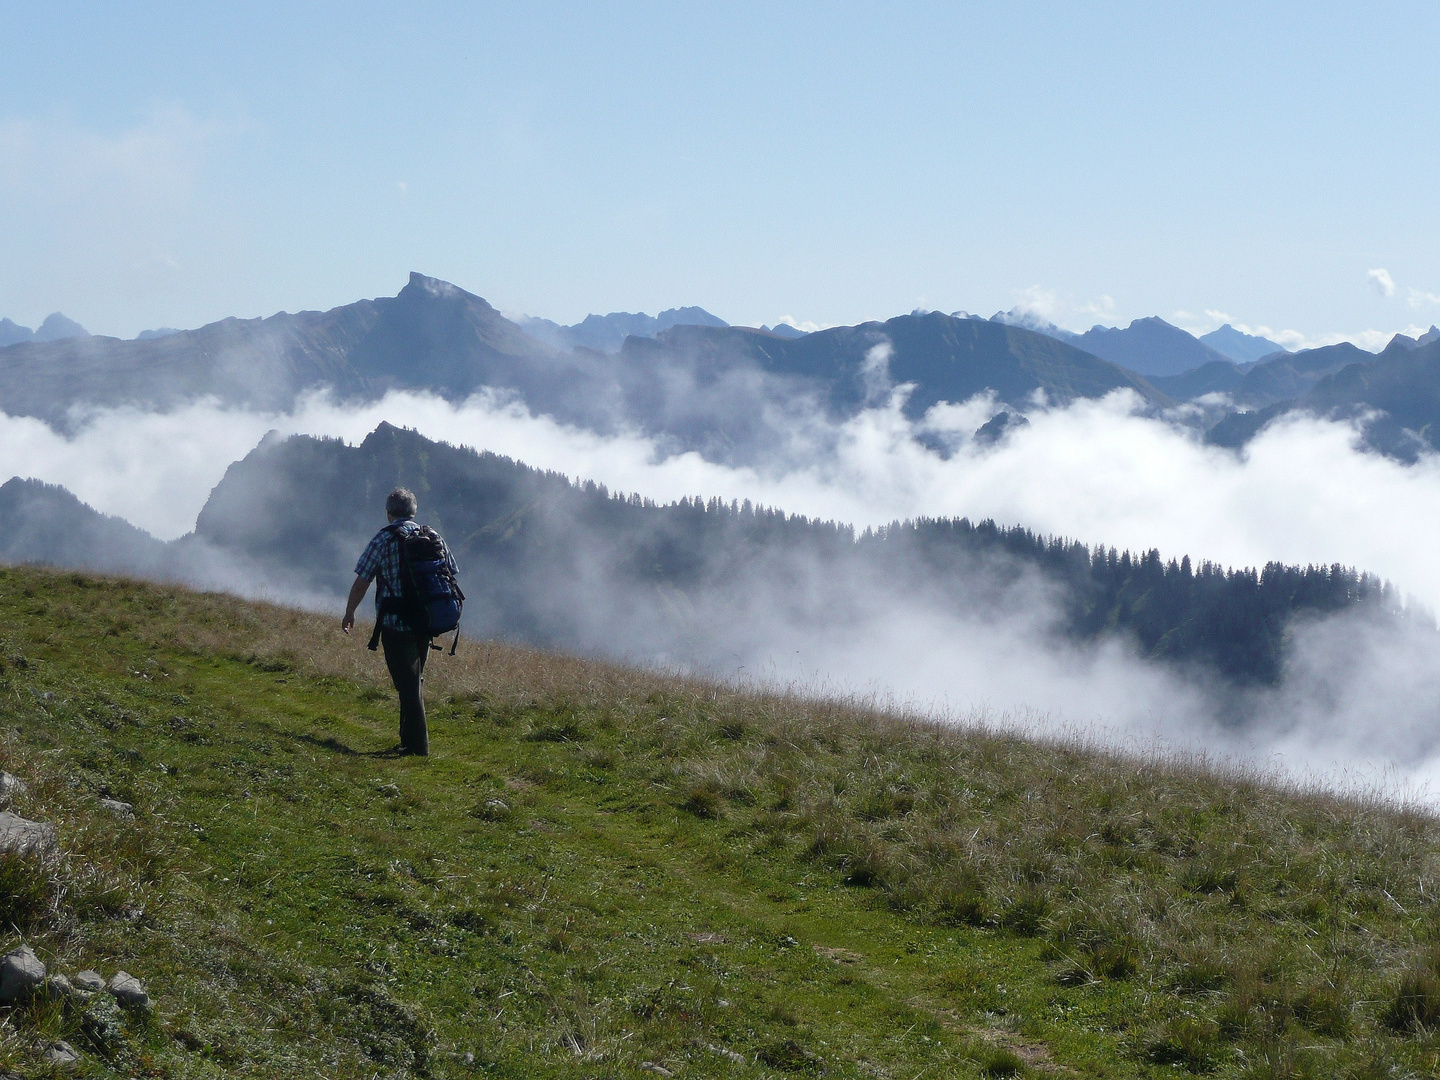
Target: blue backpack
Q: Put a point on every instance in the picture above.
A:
(430, 600)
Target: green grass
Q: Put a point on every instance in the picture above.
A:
(602, 870)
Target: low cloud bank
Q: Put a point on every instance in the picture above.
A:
(1354, 697)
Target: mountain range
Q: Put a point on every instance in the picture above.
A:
(734, 394)
(1151, 346)
(606, 333)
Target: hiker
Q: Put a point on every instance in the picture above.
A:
(406, 644)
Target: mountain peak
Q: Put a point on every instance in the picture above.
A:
(434, 286)
(56, 327)
(1239, 346)
(1150, 346)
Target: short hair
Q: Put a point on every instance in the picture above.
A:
(401, 503)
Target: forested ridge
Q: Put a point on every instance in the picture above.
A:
(1235, 619)
(566, 564)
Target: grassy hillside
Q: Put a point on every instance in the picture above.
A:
(605, 873)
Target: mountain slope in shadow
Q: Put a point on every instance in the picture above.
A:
(566, 565)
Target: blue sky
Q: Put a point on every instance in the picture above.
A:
(171, 164)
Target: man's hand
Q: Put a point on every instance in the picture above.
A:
(357, 593)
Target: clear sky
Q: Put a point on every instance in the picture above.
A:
(171, 164)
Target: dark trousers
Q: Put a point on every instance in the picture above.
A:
(405, 654)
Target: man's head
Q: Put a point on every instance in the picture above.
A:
(401, 503)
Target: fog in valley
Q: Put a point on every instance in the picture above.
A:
(1357, 698)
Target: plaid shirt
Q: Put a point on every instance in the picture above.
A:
(380, 563)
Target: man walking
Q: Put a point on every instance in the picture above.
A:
(406, 648)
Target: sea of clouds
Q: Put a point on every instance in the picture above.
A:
(1357, 701)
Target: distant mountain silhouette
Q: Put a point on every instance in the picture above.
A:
(946, 358)
(1279, 377)
(1150, 346)
(606, 333)
(56, 327)
(1028, 320)
(1433, 334)
(431, 336)
(1395, 396)
(1402, 383)
(734, 393)
(1239, 346)
(784, 330)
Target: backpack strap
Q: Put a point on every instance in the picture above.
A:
(380, 612)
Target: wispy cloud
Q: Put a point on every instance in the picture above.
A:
(805, 325)
(1295, 340)
(1381, 281)
(55, 159)
(1064, 311)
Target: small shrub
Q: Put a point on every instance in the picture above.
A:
(1260, 1004)
(704, 800)
(1202, 971)
(1415, 1005)
(601, 757)
(561, 731)
(1185, 1041)
(871, 865)
(1002, 1062)
(1096, 942)
(1325, 1010)
(884, 805)
(1207, 877)
(1026, 912)
(961, 901)
(789, 1055)
(1283, 1060)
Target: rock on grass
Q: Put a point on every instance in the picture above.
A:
(21, 974)
(11, 786)
(19, 834)
(129, 991)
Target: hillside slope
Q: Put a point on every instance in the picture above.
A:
(571, 566)
(607, 873)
